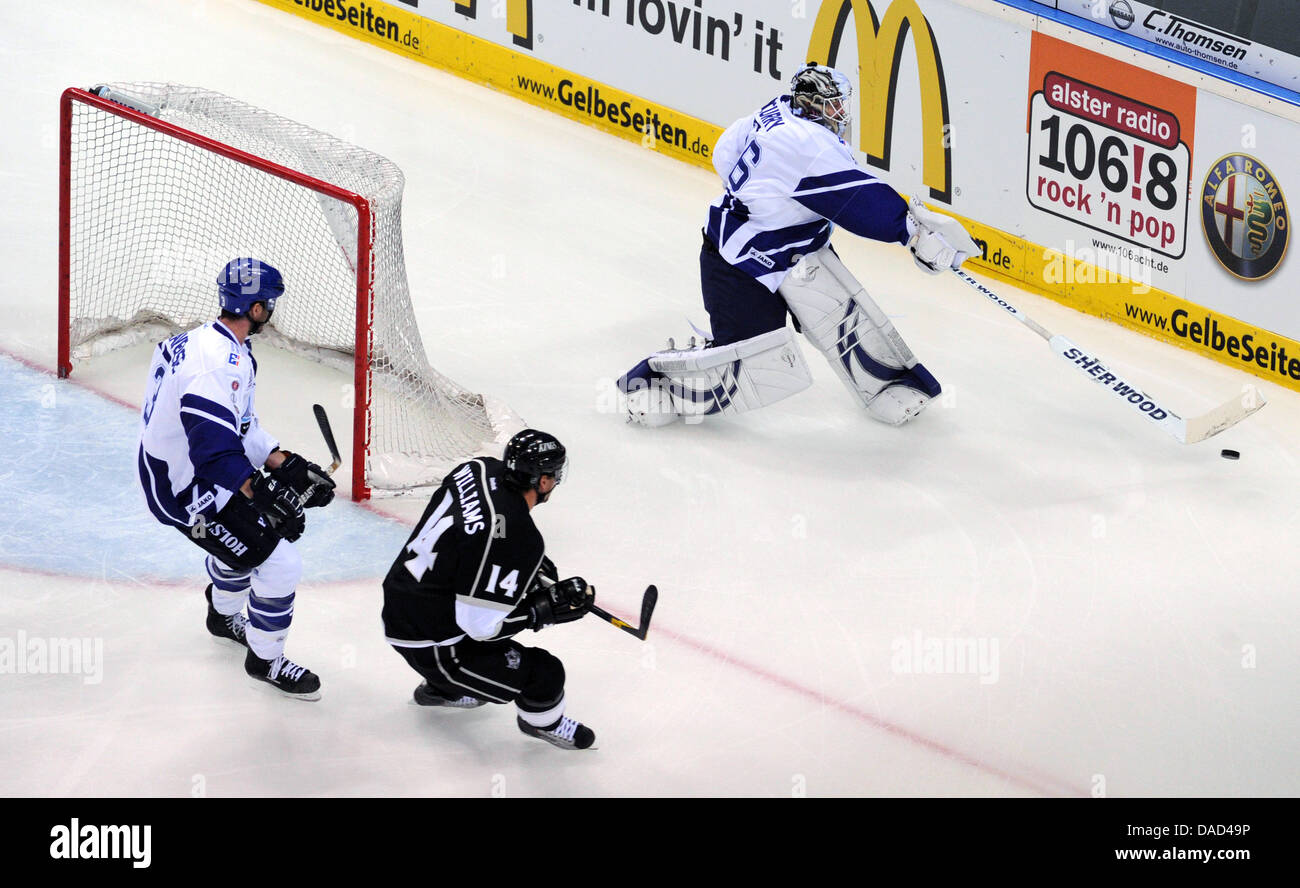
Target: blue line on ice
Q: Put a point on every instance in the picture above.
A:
(71, 503)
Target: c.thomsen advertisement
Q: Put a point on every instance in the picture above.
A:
(1169, 28)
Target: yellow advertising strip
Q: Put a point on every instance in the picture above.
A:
(571, 95)
(385, 26)
(1074, 283)
(1094, 290)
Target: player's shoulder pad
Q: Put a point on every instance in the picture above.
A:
(203, 351)
(214, 348)
(513, 517)
(818, 138)
(801, 141)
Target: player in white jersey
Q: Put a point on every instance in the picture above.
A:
(789, 179)
(201, 458)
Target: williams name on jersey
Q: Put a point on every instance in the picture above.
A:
(466, 569)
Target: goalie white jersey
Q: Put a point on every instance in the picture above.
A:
(787, 180)
(199, 434)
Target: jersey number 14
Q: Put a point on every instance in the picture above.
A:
(421, 548)
(507, 584)
(423, 554)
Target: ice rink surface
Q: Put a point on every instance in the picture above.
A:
(1135, 599)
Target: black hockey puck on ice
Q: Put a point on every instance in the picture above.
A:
(1229, 454)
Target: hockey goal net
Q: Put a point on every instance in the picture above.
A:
(161, 185)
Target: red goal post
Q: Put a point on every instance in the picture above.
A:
(361, 368)
(156, 180)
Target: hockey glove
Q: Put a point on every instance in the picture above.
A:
(547, 575)
(279, 505)
(937, 242)
(314, 487)
(563, 602)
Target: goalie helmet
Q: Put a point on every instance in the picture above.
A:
(530, 455)
(245, 282)
(822, 94)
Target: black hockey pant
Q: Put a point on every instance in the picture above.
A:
(495, 671)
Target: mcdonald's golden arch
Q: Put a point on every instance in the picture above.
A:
(881, 43)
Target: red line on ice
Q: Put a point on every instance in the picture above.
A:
(1043, 784)
(1039, 783)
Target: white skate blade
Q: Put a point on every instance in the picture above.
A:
(310, 697)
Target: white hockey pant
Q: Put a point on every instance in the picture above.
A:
(267, 589)
(858, 340)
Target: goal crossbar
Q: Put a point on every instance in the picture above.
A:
(364, 280)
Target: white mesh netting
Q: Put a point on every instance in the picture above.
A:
(153, 219)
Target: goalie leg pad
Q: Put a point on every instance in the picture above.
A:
(730, 379)
(857, 338)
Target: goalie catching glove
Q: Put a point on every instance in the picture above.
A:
(562, 602)
(309, 481)
(937, 242)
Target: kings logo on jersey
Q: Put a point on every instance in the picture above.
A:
(880, 56)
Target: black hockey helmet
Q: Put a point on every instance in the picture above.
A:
(531, 454)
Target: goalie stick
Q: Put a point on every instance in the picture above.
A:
(1187, 430)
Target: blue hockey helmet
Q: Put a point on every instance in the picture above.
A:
(244, 282)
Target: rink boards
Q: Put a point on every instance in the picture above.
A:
(1119, 184)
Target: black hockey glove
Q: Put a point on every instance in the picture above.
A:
(279, 505)
(564, 602)
(547, 575)
(305, 479)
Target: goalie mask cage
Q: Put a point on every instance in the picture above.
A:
(161, 185)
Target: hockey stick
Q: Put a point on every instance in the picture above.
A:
(648, 602)
(1187, 431)
(323, 421)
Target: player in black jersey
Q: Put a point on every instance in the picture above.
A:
(472, 575)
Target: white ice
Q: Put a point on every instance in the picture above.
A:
(1141, 593)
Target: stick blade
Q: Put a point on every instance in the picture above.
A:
(1225, 416)
(323, 420)
(648, 602)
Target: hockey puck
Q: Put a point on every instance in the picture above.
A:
(1229, 454)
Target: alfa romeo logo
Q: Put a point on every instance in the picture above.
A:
(1245, 216)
